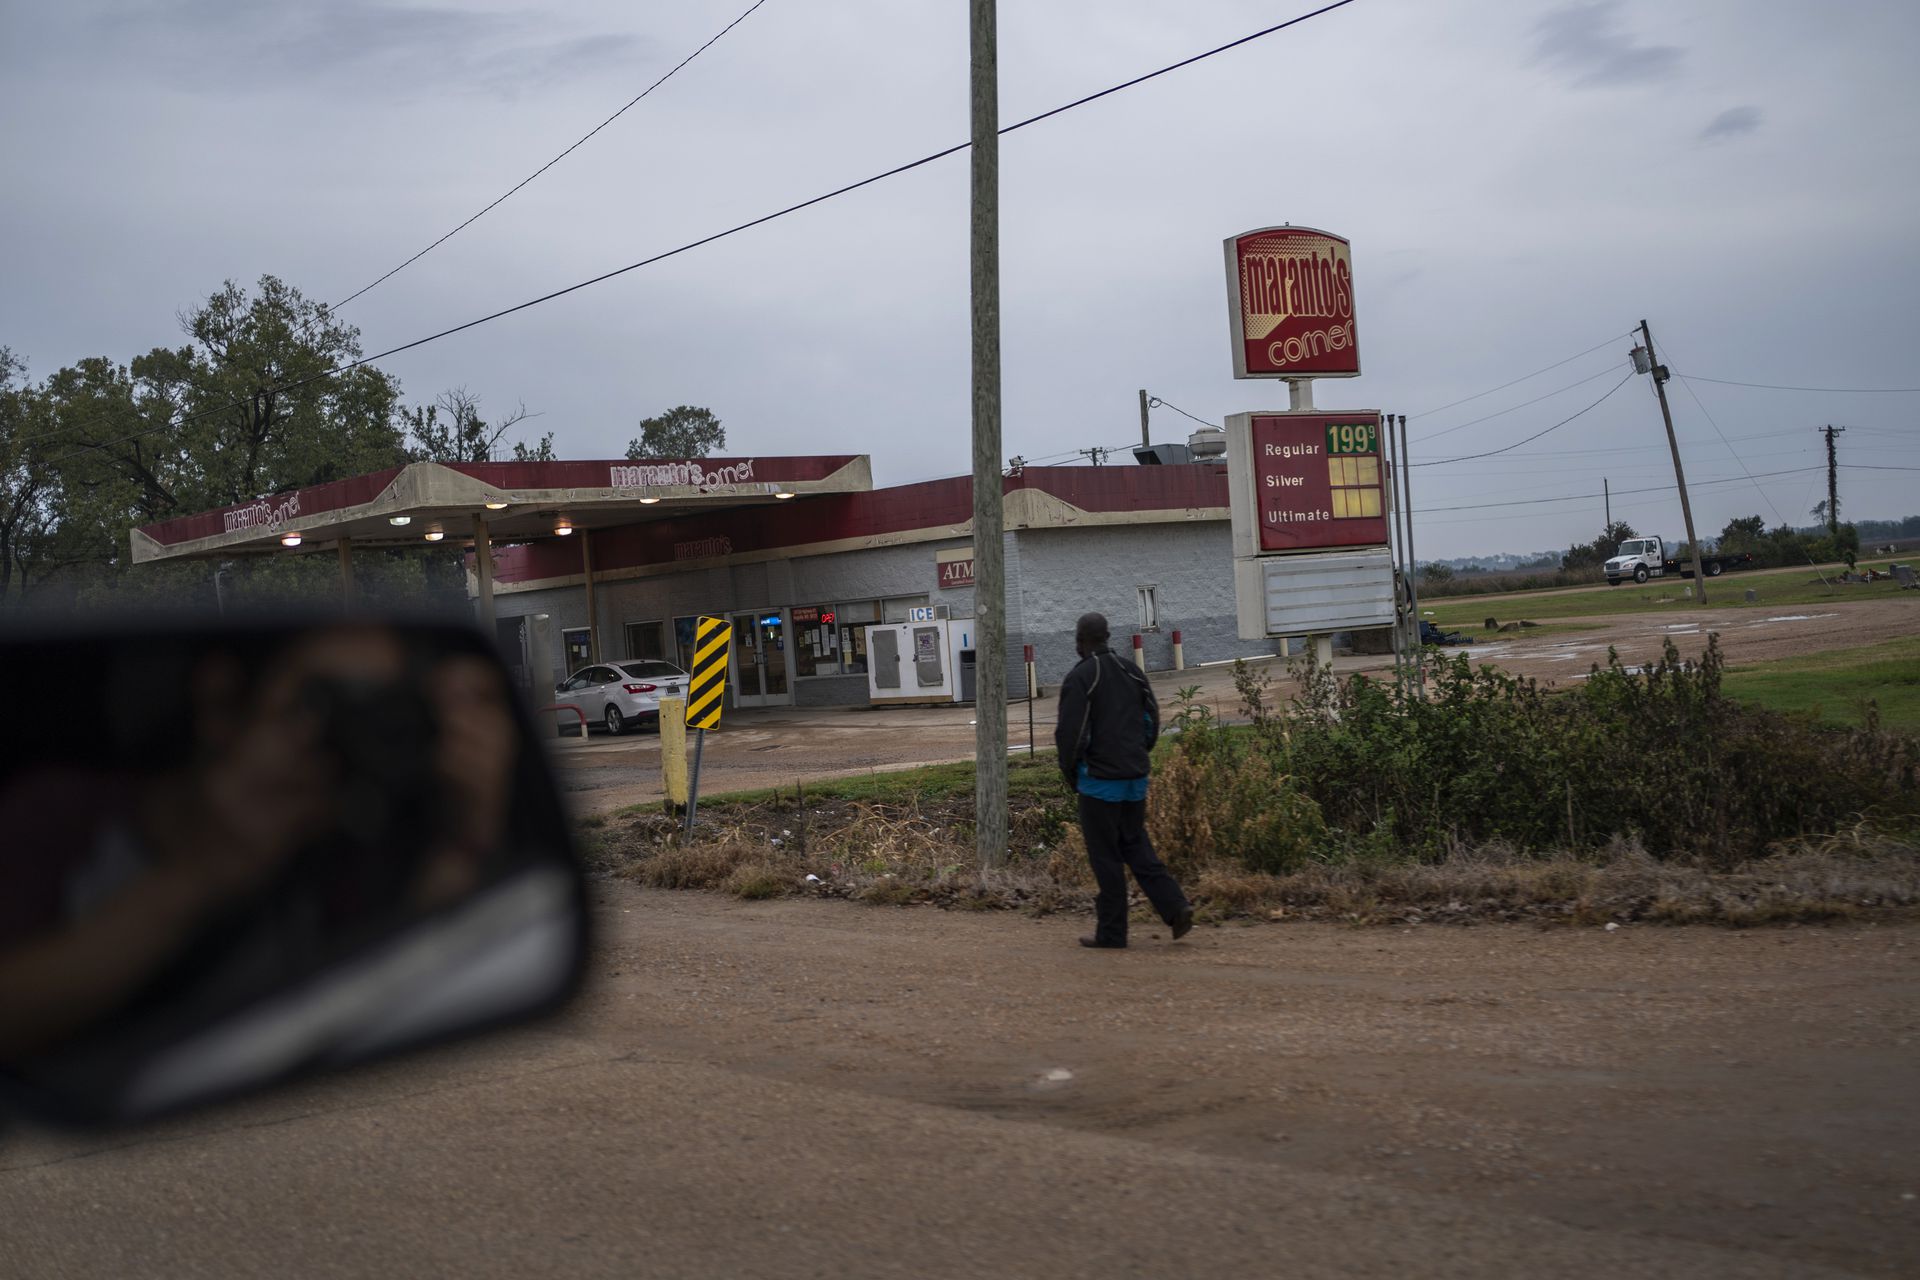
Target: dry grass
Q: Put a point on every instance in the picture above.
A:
(902, 855)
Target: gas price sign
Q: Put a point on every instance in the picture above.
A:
(1317, 480)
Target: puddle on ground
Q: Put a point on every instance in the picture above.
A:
(1793, 617)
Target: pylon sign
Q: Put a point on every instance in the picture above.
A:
(712, 643)
(1290, 304)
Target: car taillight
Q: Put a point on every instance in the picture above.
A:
(639, 688)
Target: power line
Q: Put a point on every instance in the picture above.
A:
(1441, 462)
(549, 164)
(1473, 422)
(1157, 402)
(1589, 497)
(1621, 337)
(760, 221)
(1773, 386)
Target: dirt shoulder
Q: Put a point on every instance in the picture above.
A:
(1746, 1090)
(831, 1089)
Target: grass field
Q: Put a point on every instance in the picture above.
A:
(1774, 587)
(1837, 685)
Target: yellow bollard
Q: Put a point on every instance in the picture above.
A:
(673, 749)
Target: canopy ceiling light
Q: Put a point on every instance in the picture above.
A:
(434, 533)
(289, 539)
(399, 520)
(495, 505)
(563, 526)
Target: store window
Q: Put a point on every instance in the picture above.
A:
(814, 652)
(684, 630)
(850, 623)
(1149, 599)
(900, 608)
(647, 640)
(577, 644)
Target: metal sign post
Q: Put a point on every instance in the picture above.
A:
(706, 694)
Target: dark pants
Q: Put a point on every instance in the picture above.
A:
(1116, 834)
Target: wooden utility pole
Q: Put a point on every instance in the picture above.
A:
(1606, 496)
(1833, 480)
(1143, 419)
(989, 568)
(1660, 375)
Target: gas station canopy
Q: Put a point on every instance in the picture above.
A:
(493, 502)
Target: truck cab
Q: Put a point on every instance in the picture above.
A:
(1639, 559)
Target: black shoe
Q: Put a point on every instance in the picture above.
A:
(1092, 941)
(1182, 923)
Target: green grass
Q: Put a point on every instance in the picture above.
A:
(1776, 588)
(1032, 778)
(1836, 686)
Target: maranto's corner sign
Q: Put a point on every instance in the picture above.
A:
(1290, 303)
(1317, 480)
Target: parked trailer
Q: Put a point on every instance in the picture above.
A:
(1643, 558)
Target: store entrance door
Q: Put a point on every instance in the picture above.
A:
(760, 658)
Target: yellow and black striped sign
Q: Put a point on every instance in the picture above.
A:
(708, 689)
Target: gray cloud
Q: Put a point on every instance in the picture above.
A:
(362, 42)
(1587, 42)
(1731, 123)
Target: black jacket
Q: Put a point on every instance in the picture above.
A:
(1108, 717)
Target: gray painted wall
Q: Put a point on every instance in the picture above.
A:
(1071, 571)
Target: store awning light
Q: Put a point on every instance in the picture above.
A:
(563, 527)
(399, 521)
(289, 539)
(495, 506)
(783, 494)
(434, 533)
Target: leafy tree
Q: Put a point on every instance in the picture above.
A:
(27, 483)
(249, 405)
(1600, 550)
(452, 430)
(1744, 535)
(1435, 572)
(685, 431)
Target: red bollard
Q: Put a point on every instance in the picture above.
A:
(1179, 657)
(1139, 651)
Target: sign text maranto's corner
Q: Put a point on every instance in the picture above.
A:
(1290, 304)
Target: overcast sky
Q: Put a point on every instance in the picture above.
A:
(1520, 181)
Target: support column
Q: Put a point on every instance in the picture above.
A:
(593, 617)
(483, 572)
(349, 598)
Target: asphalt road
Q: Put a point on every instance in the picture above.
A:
(804, 1088)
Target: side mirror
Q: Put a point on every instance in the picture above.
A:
(241, 853)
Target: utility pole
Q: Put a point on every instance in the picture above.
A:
(1413, 577)
(989, 565)
(1833, 482)
(1143, 419)
(1606, 496)
(1660, 375)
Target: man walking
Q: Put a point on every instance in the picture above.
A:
(1109, 721)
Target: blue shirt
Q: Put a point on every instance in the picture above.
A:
(1111, 789)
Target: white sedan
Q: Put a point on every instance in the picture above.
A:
(618, 694)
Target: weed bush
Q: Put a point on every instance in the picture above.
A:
(1357, 770)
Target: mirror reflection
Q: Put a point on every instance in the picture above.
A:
(226, 856)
